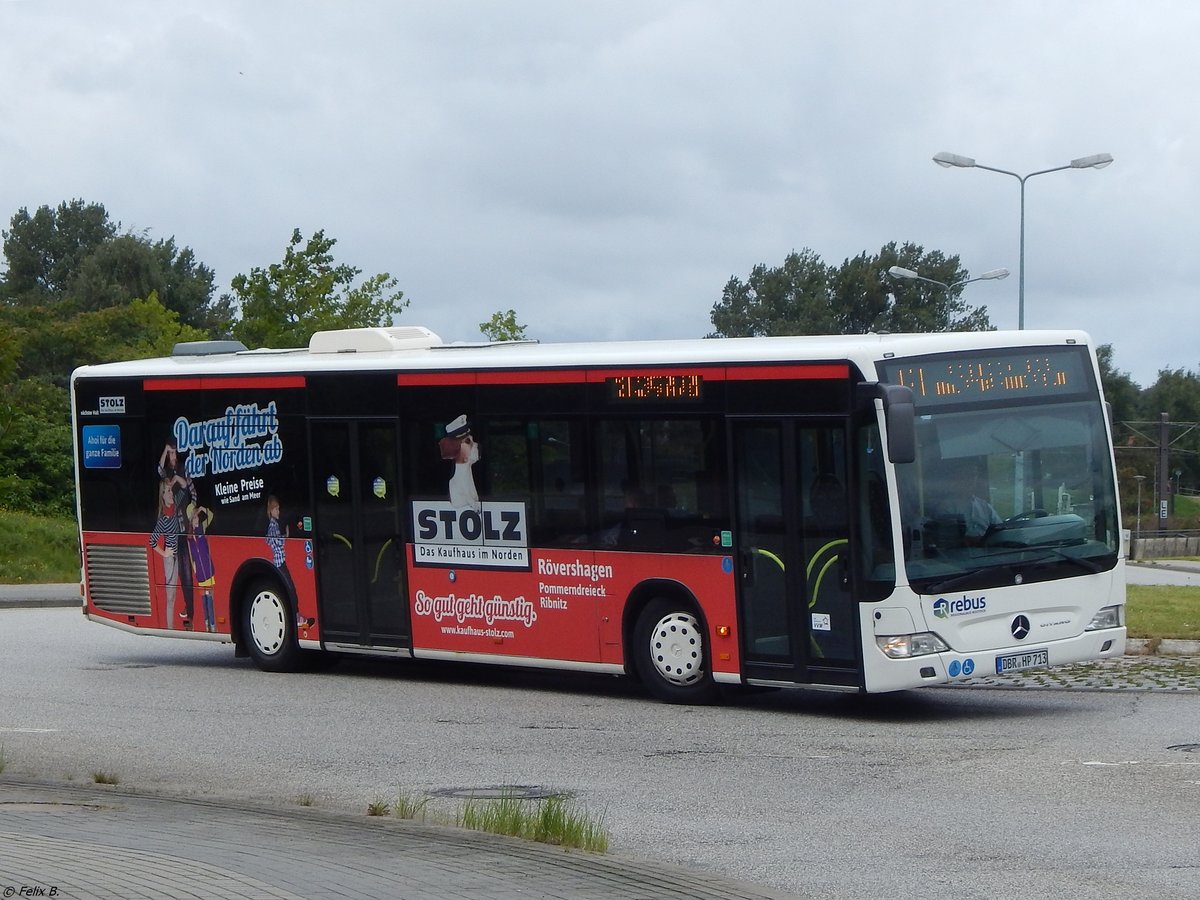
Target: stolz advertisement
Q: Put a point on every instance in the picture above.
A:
(492, 535)
(464, 530)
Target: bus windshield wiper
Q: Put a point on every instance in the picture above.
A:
(989, 573)
(964, 579)
(1083, 562)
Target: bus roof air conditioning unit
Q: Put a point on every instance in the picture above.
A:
(206, 348)
(373, 340)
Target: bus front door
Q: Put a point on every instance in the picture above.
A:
(359, 544)
(798, 619)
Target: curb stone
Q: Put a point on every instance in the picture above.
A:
(1163, 647)
(122, 843)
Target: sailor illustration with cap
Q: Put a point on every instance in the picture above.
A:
(460, 446)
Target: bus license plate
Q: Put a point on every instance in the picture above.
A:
(1016, 662)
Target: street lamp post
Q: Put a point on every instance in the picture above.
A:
(1139, 479)
(953, 160)
(901, 272)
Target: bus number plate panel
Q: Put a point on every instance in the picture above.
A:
(1017, 662)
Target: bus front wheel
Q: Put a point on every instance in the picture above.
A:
(670, 653)
(269, 628)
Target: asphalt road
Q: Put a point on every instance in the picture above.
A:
(960, 792)
(1174, 573)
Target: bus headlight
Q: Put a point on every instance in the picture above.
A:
(904, 646)
(1109, 617)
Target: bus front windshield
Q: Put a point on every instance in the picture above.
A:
(1004, 494)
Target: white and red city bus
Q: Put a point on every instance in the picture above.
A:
(861, 513)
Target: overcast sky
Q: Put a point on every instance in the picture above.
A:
(604, 168)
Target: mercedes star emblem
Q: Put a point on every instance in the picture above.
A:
(1020, 628)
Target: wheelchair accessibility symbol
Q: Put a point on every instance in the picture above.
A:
(965, 668)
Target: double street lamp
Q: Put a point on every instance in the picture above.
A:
(901, 272)
(953, 160)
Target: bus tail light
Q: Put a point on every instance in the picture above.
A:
(1109, 617)
(905, 646)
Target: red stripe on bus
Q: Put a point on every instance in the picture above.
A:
(171, 384)
(544, 376)
(209, 383)
(434, 379)
(787, 373)
(550, 376)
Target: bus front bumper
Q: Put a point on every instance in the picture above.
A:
(948, 666)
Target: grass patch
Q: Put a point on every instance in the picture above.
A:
(38, 549)
(378, 808)
(3, 760)
(105, 778)
(1159, 611)
(306, 800)
(410, 806)
(550, 821)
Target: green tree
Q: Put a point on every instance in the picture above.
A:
(1122, 394)
(74, 259)
(503, 326)
(130, 266)
(805, 296)
(286, 303)
(1177, 393)
(788, 299)
(45, 250)
(52, 348)
(35, 454)
(921, 307)
(76, 290)
(9, 349)
(1134, 455)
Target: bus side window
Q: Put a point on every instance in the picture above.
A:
(657, 488)
(875, 522)
(559, 510)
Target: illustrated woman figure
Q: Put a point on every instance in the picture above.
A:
(165, 541)
(171, 466)
(198, 520)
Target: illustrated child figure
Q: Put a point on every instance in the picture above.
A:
(167, 528)
(275, 540)
(198, 520)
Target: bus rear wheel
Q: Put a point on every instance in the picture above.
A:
(670, 653)
(269, 628)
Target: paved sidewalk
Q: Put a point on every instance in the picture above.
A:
(1171, 674)
(90, 842)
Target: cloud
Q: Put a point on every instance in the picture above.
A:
(604, 168)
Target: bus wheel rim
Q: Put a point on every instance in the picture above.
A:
(268, 626)
(677, 649)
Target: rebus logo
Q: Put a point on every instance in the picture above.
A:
(962, 606)
(112, 405)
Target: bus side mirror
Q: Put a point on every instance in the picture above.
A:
(899, 417)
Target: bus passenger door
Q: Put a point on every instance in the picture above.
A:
(798, 621)
(359, 543)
